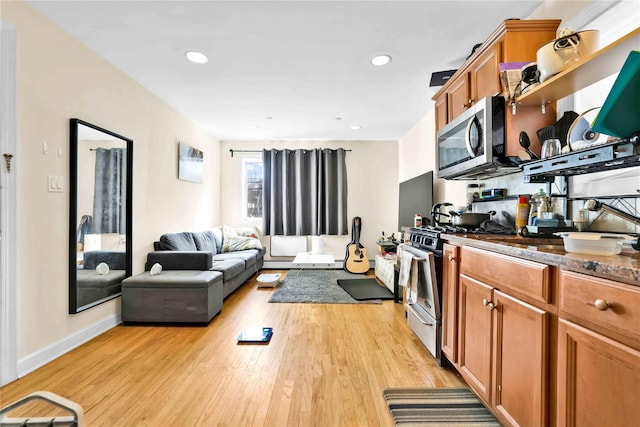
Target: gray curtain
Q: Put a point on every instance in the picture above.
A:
(109, 197)
(305, 192)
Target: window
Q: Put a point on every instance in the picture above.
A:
(252, 188)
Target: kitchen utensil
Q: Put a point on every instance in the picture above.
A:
(562, 126)
(470, 219)
(593, 243)
(558, 54)
(550, 148)
(581, 135)
(524, 156)
(547, 132)
(437, 215)
(525, 143)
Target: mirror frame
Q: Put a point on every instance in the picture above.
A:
(73, 213)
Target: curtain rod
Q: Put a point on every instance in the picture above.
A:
(231, 150)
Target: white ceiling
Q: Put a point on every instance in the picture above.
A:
(302, 63)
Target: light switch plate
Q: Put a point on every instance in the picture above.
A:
(55, 184)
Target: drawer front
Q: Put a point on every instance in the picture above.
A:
(507, 273)
(601, 302)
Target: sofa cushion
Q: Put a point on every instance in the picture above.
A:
(250, 257)
(217, 234)
(228, 267)
(205, 241)
(177, 242)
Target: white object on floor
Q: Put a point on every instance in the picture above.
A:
(268, 280)
(310, 260)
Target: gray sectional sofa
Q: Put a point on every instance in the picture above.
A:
(199, 270)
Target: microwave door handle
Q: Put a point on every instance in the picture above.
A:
(467, 136)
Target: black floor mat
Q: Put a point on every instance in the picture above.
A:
(364, 289)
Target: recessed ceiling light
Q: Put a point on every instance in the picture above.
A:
(380, 60)
(196, 57)
(356, 127)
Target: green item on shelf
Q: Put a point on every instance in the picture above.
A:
(620, 113)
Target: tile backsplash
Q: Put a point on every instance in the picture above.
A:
(620, 189)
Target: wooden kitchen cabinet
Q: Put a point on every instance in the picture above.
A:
(485, 74)
(475, 336)
(503, 340)
(598, 352)
(450, 261)
(479, 76)
(521, 337)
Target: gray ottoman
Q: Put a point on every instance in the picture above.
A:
(191, 296)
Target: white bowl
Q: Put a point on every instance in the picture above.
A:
(593, 243)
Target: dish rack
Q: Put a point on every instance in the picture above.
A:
(75, 420)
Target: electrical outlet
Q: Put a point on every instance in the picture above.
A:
(55, 184)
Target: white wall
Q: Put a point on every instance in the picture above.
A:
(58, 79)
(417, 155)
(372, 187)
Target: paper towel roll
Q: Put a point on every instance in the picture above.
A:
(317, 245)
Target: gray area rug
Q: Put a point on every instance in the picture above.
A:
(451, 407)
(316, 287)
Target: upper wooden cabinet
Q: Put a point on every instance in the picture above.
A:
(512, 41)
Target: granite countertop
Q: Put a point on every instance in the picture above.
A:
(624, 267)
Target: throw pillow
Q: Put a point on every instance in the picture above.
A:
(177, 242)
(205, 241)
(240, 243)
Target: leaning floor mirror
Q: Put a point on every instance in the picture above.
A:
(101, 166)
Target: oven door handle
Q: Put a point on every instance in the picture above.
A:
(420, 318)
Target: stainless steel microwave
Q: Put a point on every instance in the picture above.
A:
(472, 146)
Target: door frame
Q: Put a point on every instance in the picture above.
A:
(8, 208)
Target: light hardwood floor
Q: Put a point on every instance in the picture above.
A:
(326, 365)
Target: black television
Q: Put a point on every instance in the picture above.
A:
(416, 197)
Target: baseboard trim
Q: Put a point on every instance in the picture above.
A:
(288, 265)
(42, 357)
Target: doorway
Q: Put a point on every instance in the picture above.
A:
(8, 166)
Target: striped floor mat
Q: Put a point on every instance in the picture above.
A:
(437, 407)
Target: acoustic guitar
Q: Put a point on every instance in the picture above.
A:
(356, 258)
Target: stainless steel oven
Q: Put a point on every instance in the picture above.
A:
(424, 314)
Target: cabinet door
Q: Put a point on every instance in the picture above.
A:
(441, 111)
(521, 334)
(450, 303)
(458, 96)
(475, 335)
(598, 379)
(485, 74)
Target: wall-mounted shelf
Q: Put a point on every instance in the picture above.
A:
(595, 67)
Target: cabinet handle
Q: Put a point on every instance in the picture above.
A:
(451, 258)
(601, 304)
(488, 304)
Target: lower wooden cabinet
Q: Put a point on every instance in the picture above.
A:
(521, 337)
(598, 379)
(475, 354)
(504, 342)
(598, 352)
